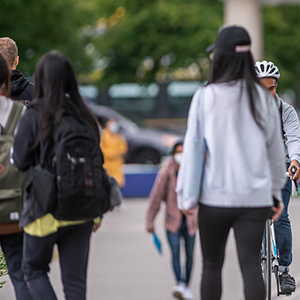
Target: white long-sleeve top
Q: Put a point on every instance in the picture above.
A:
(6, 105)
(5, 109)
(244, 166)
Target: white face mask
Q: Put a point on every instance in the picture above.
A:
(114, 127)
(178, 158)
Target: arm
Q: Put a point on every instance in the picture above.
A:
(122, 145)
(292, 135)
(188, 181)
(23, 154)
(275, 150)
(158, 194)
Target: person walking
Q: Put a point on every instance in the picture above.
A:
(21, 89)
(178, 225)
(11, 235)
(268, 75)
(114, 148)
(56, 98)
(244, 167)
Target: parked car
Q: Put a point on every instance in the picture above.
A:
(145, 146)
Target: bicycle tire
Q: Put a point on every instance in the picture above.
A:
(268, 261)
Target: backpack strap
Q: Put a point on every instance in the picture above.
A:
(280, 112)
(13, 118)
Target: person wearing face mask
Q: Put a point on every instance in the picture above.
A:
(114, 148)
(178, 226)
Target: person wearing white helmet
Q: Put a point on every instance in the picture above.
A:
(268, 75)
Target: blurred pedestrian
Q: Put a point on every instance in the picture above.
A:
(11, 235)
(268, 75)
(178, 226)
(244, 169)
(114, 148)
(21, 88)
(56, 100)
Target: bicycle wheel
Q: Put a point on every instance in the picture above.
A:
(267, 264)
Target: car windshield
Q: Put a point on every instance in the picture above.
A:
(106, 113)
(127, 124)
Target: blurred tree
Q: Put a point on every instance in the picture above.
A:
(3, 268)
(39, 26)
(143, 41)
(282, 42)
(140, 41)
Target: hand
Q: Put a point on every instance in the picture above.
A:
(277, 211)
(96, 226)
(297, 175)
(150, 229)
(187, 212)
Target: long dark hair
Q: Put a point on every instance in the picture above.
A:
(4, 77)
(228, 66)
(56, 92)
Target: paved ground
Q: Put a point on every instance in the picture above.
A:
(124, 264)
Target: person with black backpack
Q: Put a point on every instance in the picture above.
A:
(57, 143)
(12, 184)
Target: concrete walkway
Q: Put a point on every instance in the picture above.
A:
(124, 265)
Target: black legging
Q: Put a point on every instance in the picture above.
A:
(248, 225)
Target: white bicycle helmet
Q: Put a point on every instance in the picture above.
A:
(266, 69)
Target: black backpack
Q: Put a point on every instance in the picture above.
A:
(79, 188)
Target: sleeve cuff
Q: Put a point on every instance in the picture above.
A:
(278, 195)
(296, 157)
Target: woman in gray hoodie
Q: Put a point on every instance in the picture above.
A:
(244, 163)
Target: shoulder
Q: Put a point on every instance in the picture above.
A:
(5, 101)
(288, 111)
(220, 88)
(30, 115)
(266, 102)
(6, 105)
(285, 106)
(167, 168)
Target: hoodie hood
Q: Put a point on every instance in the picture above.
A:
(21, 88)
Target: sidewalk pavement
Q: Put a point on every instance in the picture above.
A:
(124, 265)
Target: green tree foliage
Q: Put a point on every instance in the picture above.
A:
(39, 26)
(163, 35)
(141, 40)
(3, 268)
(282, 42)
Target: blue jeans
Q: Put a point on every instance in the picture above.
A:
(12, 247)
(73, 246)
(283, 230)
(174, 242)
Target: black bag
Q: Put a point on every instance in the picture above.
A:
(44, 183)
(81, 188)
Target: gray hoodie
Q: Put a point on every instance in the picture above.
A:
(245, 165)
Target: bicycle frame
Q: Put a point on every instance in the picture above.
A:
(269, 251)
(269, 259)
